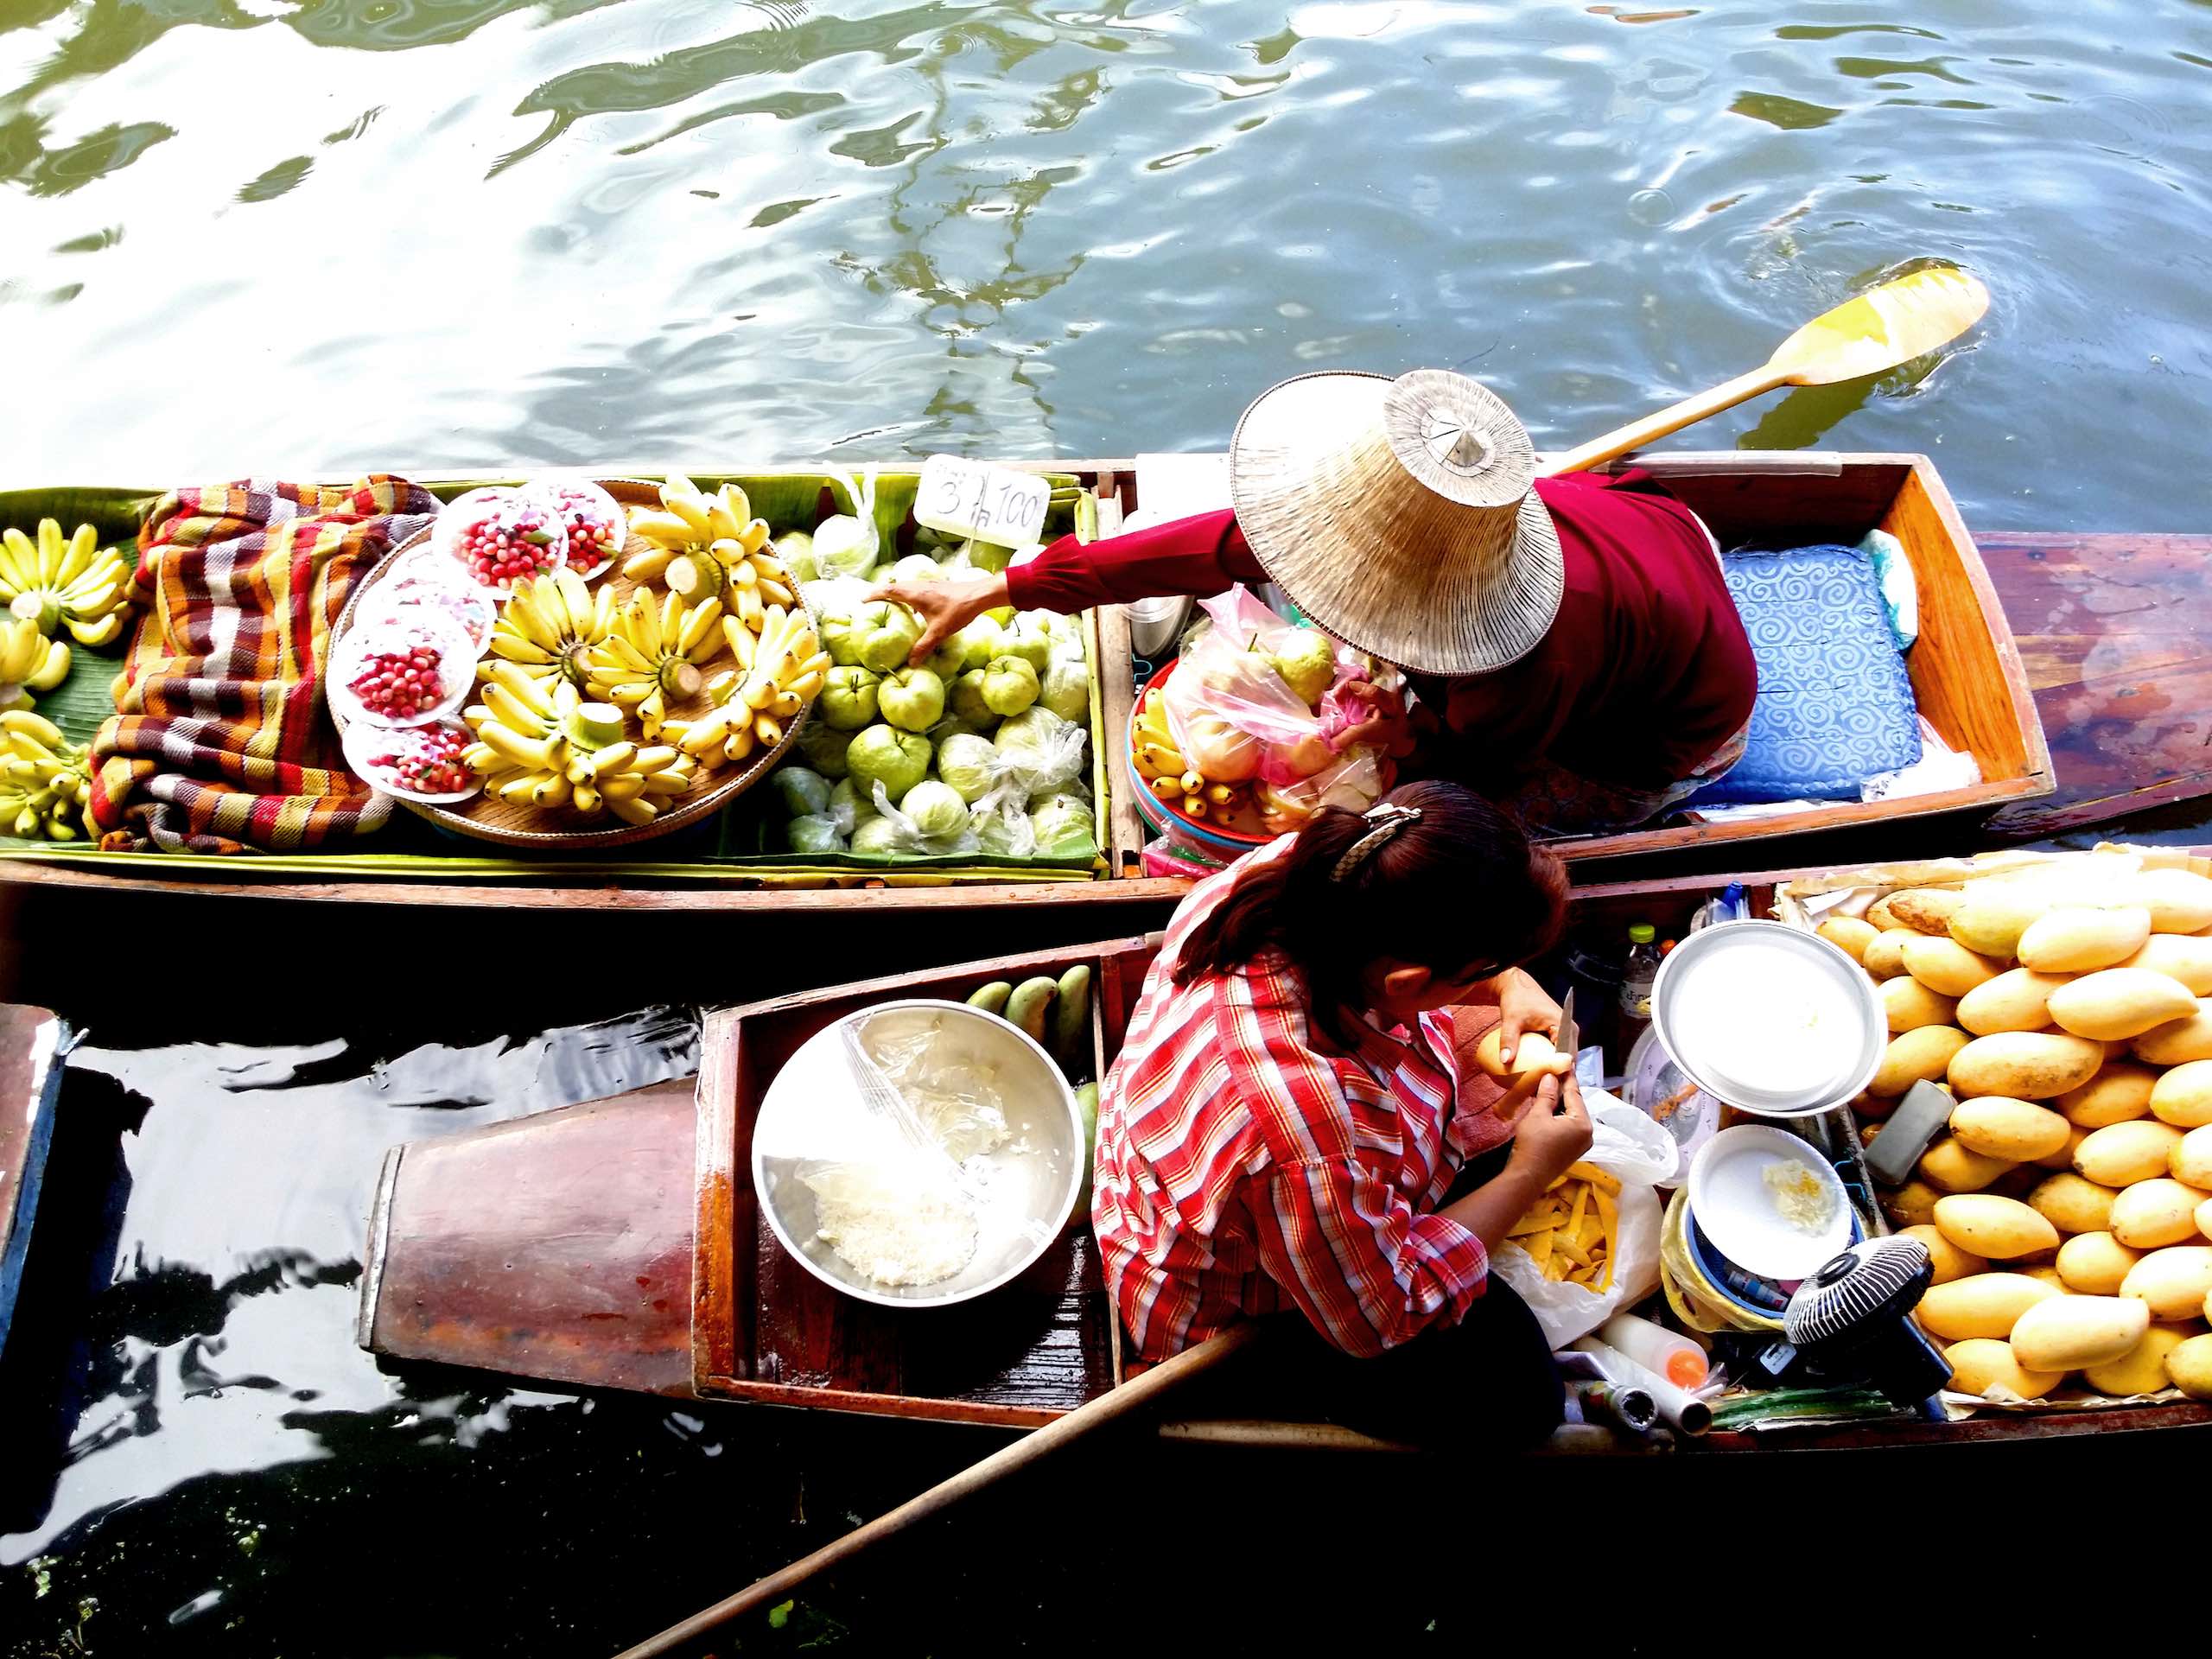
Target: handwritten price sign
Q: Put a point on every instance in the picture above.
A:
(969, 498)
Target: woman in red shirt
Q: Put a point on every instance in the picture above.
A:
(1572, 644)
(1287, 1125)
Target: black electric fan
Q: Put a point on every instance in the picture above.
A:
(1852, 1318)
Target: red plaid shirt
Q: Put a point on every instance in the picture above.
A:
(1246, 1162)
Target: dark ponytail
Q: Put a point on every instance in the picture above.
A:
(1461, 887)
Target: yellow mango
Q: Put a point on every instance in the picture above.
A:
(2074, 940)
(2117, 1003)
(1949, 1259)
(1911, 1205)
(2020, 1065)
(1999, 1229)
(1927, 910)
(1948, 968)
(2183, 1096)
(2120, 1091)
(2121, 1154)
(2070, 1333)
(1981, 1365)
(1995, 915)
(2064, 1158)
(2190, 1367)
(2151, 1215)
(2203, 1219)
(2096, 1264)
(2017, 1131)
(1884, 957)
(1919, 1056)
(2016, 1000)
(2190, 1162)
(1911, 1005)
(1949, 1167)
(1849, 935)
(2141, 1370)
(2186, 960)
(2073, 1203)
(2179, 1042)
(2180, 901)
(2173, 1282)
(1986, 1304)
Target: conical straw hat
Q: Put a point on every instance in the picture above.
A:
(1398, 515)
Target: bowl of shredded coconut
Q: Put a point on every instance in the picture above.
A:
(926, 1163)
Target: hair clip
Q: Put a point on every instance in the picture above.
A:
(1388, 819)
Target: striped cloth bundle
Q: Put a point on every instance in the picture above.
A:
(221, 743)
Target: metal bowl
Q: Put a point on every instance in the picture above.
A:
(1769, 1019)
(808, 1118)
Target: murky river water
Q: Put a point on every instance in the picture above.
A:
(445, 234)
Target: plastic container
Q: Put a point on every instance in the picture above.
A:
(594, 522)
(497, 536)
(394, 671)
(416, 763)
(1735, 1210)
(1663, 1092)
(1156, 623)
(425, 580)
(1659, 1351)
(1638, 975)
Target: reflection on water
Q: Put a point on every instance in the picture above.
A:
(450, 233)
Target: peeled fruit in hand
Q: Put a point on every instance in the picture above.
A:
(883, 754)
(2119, 1003)
(1307, 664)
(2070, 1333)
(1534, 1053)
(52, 584)
(1010, 685)
(911, 699)
(1980, 1364)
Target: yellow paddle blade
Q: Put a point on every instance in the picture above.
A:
(1887, 325)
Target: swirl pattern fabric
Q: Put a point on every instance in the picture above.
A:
(1836, 705)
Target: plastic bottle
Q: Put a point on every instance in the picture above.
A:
(1658, 1350)
(1643, 968)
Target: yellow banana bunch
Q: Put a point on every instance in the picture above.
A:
(632, 783)
(651, 655)
(781, 671)
(548, 624)
(697, 538)
(1166, 773)
(524, 730)
(753, 585)
(45, 781)
(53, 583)
(28, 662)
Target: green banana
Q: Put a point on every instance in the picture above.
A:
(990, 998)
(1072, 1017)
(1030, 1001)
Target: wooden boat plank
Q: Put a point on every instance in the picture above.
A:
(558, 1246)
(2116, 630)
(30, 1073)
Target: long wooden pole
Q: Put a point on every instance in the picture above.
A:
(1651, 427)
(1130, 1397)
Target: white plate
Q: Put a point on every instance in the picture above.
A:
(1769, 1019)
(1735, 1208)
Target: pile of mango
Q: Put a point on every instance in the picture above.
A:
(2068, 1008)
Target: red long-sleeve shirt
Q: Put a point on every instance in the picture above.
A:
(1645, 673)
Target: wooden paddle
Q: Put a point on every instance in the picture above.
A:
(1131, 1396)
(1889, 324)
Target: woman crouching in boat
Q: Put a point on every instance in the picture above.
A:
(1288, 1126)
(1571, 640)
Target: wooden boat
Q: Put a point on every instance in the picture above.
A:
(619, 1244)
(32, 1043)
(2104, 639)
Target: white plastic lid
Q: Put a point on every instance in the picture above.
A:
(426, 579)
(429, 643)
(537, 539)
(592, 518)
(382, 756)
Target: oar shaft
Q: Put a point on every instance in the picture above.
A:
(1690, 410)
(1130, 1397)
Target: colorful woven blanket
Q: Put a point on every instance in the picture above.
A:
(221, 744)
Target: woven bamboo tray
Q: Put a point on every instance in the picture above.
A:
(484, 816)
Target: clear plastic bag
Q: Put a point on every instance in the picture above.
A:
(1044, 753)
(1627, 1144)
(905, 838)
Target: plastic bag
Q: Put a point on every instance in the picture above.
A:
(905, 837)
(1004, 828)
(1627, 1144)
(1044, 753)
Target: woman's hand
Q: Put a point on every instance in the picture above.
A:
(1523, 1006)
(1552, 1130)
(1388, 728)
(944, 607)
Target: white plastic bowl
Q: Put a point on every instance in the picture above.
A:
(1735, 1209)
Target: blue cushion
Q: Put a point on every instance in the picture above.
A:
(1836, 705)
